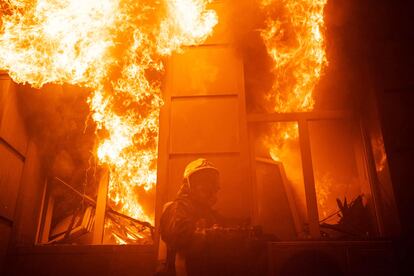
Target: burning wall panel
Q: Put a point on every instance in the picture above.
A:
(205, 125)
(10, 175)
(210, 71)
(30, 197)
(336, 169)
(209, 126)
(13, 144)
(276, 207)
(204, 116)
(19, 172)
(279, 172)
(342, 178)
(12, 128)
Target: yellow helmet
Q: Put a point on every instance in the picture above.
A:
(198, 165)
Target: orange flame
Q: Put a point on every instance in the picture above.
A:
(188, 22)
(294, 40)
(113, 47)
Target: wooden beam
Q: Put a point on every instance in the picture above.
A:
(291, 200)
(308, 177)
(48, 219)
(299, 116)
(109, 210)
(98, 229)
(373, 180)
(83, 196)
(41, 212)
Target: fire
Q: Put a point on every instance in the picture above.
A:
(293, 36)
(294, 40)
(57, 41)
(114, 48)
(380, 155)
(189, 22)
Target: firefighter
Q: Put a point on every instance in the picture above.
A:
(198, 240)
(184, 221)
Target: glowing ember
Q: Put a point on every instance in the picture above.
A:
(114, 48)
(379, 154)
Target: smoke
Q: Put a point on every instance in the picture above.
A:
(247, 21)
(56, 119)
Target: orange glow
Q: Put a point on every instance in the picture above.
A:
(188, 22)
(294, 40)
(379, 154)
(114, 48)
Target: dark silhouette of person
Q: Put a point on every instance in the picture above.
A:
(184, 222)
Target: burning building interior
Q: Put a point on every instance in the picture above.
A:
(302, 107)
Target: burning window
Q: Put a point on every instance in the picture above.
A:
(309, 161)
(280, 189)
(319, 177)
